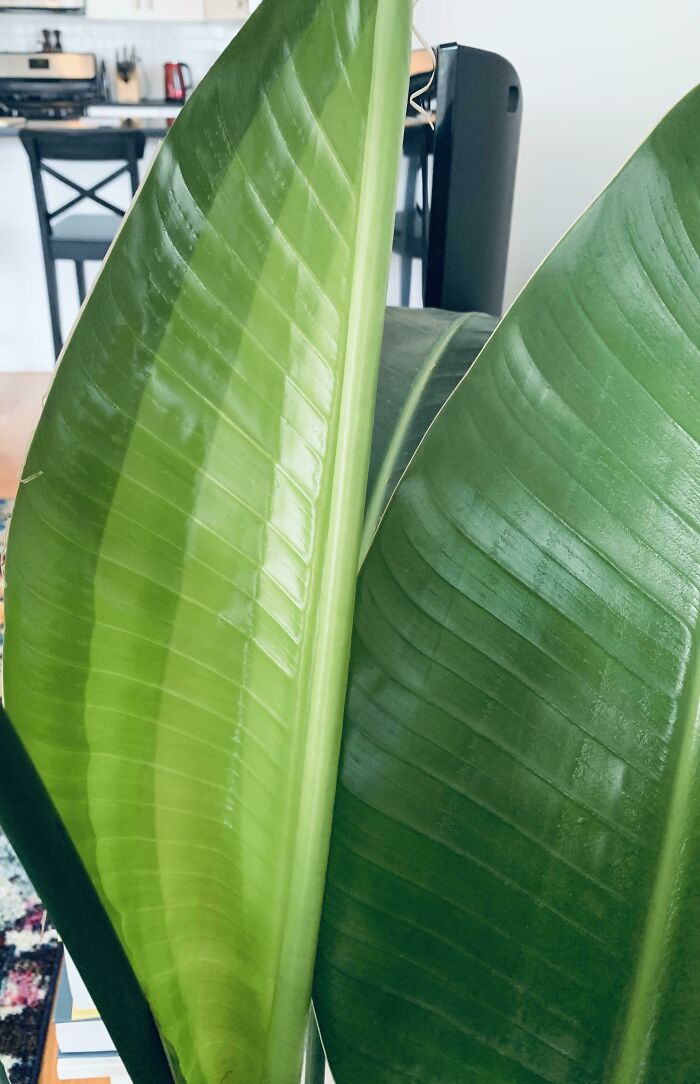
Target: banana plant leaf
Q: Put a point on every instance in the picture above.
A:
(182, 557)
(425, 354)
(514, 882)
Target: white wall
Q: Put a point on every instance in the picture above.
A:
(597, 75)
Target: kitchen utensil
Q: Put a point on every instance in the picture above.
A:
(128, 88)
(176, 86)
(104, 88)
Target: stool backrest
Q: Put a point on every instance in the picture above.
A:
(477, 135)
(107, 145)
(475, 103)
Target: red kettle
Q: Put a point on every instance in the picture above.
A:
(176, 86)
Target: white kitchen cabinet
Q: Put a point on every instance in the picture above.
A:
(222, 10)
(147, 10)
(187, 11)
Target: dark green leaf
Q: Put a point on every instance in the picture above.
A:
(513, 885)
(425, 353)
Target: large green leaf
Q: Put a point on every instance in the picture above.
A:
(425, 354)
(513, 892)
(182, 558)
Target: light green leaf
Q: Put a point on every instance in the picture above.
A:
(513, 884)
(181, 570)
(425, 353)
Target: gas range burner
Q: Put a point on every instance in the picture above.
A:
(43, 110)
(47, 86)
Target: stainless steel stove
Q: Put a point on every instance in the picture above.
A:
(47, 86)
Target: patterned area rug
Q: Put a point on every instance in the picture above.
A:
(29, 954)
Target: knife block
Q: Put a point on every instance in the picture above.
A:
(128, 91)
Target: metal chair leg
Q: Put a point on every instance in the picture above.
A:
(80, 276)
(409, 230)
(406, 277)
(52, 290)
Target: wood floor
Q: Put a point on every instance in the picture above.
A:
(21, 398)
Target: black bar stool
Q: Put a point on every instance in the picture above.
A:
(461, 228)
(78, 237)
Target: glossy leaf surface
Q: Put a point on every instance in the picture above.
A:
(183, 555)
(425, 353)
(513, 885)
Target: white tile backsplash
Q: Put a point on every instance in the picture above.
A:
(198, 44)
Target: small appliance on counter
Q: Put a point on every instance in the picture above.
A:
(176, 86)
(47, 86)
(128, 81)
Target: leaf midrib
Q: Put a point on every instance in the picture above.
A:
(318, 758)
(661, 918)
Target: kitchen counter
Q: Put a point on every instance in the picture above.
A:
(152, 127)
(155, 104)
(150, 116)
